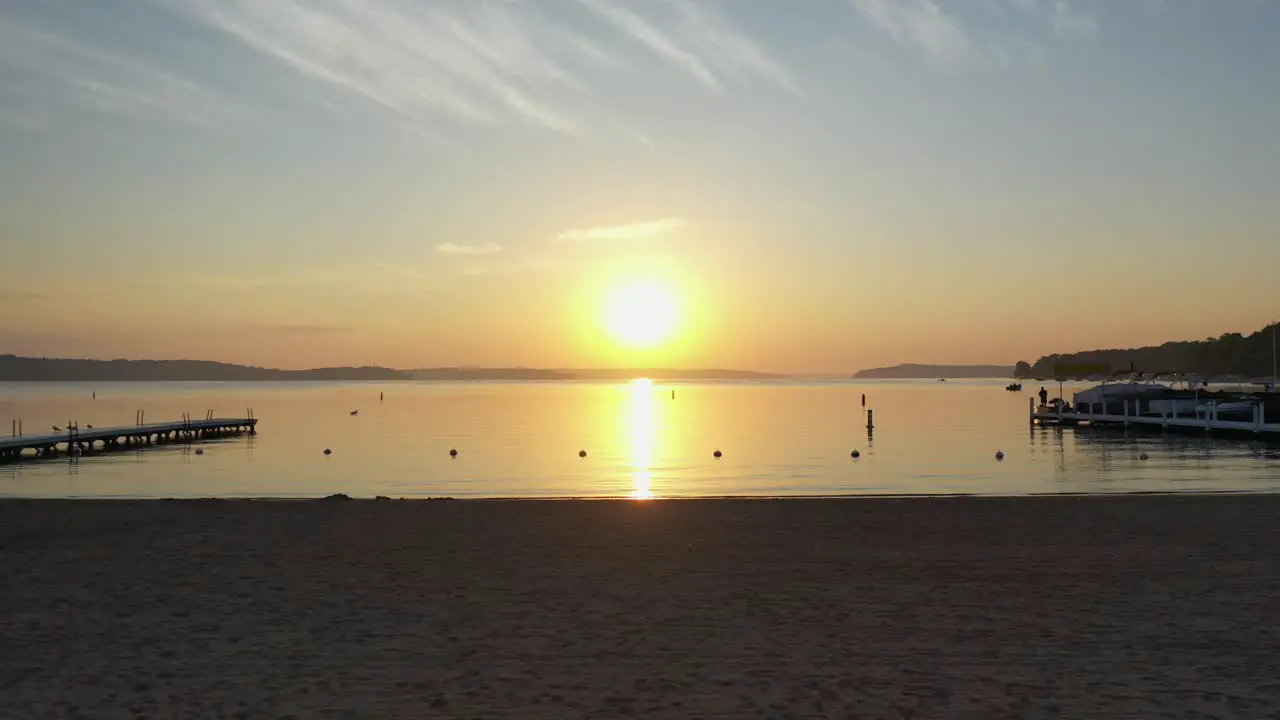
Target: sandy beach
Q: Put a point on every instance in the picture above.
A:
(1100, 607)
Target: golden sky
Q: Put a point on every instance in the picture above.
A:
(475, 183)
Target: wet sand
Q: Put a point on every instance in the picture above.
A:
(1101, 607)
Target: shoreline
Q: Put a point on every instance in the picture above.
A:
(638, 500)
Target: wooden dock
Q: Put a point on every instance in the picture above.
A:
(1203, 421)
(89, 440)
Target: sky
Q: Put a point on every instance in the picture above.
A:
(814, 186)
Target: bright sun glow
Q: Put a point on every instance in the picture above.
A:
(641, 314)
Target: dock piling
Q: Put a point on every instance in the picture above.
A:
(88, 441)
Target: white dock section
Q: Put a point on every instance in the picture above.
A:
(88, 440)
(1206, 420)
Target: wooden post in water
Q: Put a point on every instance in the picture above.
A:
(870, 421)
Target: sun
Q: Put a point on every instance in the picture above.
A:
(641, 314)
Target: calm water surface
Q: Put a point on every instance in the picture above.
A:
(522, 440)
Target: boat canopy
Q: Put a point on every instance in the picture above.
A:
(1121, 391)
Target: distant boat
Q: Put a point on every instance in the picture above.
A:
(1013, 387)
(942, 379)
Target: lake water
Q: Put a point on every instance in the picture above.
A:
(523, 439)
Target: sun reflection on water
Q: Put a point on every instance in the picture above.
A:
(641, 428)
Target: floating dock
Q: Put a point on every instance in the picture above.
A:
(1131, 416)
(90, 440)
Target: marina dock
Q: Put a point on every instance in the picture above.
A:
(89, 440)
(1255, 420)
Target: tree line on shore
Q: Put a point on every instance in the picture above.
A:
(1228, 354)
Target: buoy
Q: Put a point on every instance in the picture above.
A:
(1143, 456)
(327, 451)
(582, 453)
(717, 453)
(855, 454)
(453, 453)
(199, 451)
(999, 454)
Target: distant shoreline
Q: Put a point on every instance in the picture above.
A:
(626, 499)
(916, 371)
(26, 369)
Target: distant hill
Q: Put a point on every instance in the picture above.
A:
(19, 369)
(912, 370)
(25, 369)
(1229, 354)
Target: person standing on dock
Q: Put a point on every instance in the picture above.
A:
(1044, 396)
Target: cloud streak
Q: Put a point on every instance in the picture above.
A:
(631, 231)
(303, 330)
(486, 63)
(1066, 20)
(95, 79)
(485, 249)
(921, 23)
(698, 40)
(987, 31)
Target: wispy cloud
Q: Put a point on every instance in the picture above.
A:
(698, 39)
(302, 329)
(990, 29)
(14, 296)
(921, 23)
(379, 276)
(476, 62)
(631, 231)
(1067, 20)
(638, 29)
(487, 63)
(485, 249)
(91, 77)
